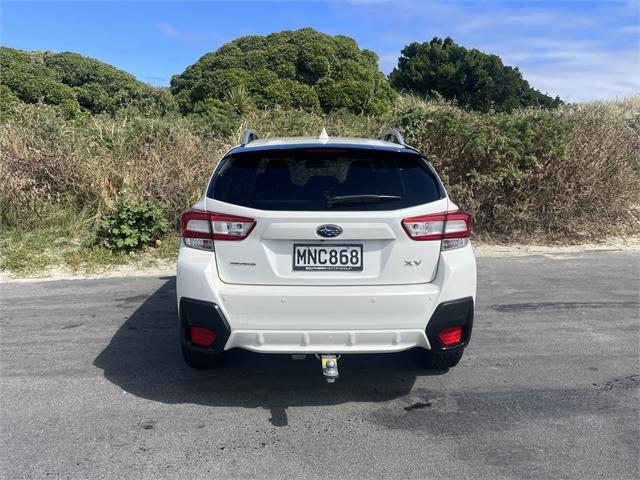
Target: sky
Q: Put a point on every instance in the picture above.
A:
(580, 50)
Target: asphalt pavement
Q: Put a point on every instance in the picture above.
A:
(93, 386)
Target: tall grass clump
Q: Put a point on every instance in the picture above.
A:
(571, 173)
(97, 160)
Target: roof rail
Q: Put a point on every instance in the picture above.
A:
(249, 136)
(392, 135)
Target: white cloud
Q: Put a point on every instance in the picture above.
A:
(501, 19)
(575, 70)
(598, 76)
(579, 54)
(388, 61)
(629, 30)
(170, 31)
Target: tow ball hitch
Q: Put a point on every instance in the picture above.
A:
(329, 367)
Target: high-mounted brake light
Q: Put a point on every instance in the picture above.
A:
(440, 226)
(200, 228)
(325, 150)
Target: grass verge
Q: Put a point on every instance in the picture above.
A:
(36, 252)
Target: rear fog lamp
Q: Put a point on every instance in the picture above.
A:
(202, 337)
(450, 336)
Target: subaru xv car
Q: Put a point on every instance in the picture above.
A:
(325, 246)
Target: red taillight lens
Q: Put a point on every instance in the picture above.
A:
(439, 226)
(202, 336)
(450, 336)
(199, 228)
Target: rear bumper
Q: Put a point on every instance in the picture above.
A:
(326, 319)
(336, 341)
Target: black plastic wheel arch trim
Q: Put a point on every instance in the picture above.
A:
(198, 313)
(450, 314)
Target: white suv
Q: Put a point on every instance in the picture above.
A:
(325, 246)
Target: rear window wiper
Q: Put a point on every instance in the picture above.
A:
(371, 198)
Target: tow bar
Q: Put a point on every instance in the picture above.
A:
(329, 367)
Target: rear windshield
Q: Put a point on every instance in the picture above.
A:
(325, 179)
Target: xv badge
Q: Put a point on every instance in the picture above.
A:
(412, 263)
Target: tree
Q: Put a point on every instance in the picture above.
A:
(302, 69)
(470, 77)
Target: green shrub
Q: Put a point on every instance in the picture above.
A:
(132, 225)
(213, 116)
(302, 69)
(8, 101)
(239, 99)
(74, 82)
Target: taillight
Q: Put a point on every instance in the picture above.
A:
(453, 228)
(426, 227)
(196, 230)
(229, 227)
(200, 229)
(458, 225)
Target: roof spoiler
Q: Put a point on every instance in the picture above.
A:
(249, 136)
(392, 135)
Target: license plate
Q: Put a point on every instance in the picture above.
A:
(321, 257)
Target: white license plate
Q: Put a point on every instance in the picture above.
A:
(322, 257)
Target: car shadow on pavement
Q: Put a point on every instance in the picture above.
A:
(144, 359)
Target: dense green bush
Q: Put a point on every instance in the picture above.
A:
(7, 96)
(131, 225)
(301, 69)
(471, 78)
(78, 83)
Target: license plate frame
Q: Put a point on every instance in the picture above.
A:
(327, 266)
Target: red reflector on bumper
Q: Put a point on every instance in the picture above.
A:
(450, 336)
(202, 336)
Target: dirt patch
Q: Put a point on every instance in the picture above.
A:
(161, 268)
(630, 243)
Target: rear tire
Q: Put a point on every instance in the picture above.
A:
(442, 360)
(201, 361)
